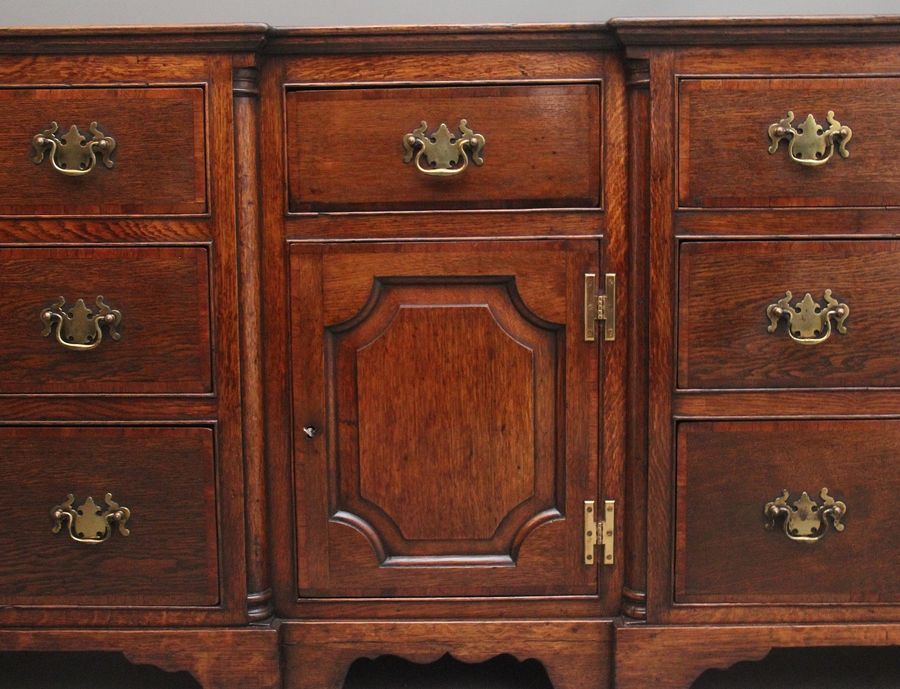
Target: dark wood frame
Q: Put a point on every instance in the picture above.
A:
(349, 70)
(244, 70)
(216, 231)
(669, 226)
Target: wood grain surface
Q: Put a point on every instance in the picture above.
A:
(723, 151)
(728, 472)
(452, 390)
(164, 475)
(710, 363)
(177, 365)
(294, 273)
(672, 657)
(159, 161)
(217, 658)
(344, 147)
(574, 653)
(163, 294)
(725, 289)
(247, 191)
(744, 33)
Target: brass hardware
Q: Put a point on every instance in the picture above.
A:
(310, 431)
(79, 327)
(599, 307)
(808, 322)
(804, 519)
(443, 150)
(87, 523)
(809, 143)
(72, 153)
(601, 534)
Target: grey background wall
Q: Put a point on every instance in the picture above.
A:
(360, 12)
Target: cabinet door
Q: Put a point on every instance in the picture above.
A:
(453, 406)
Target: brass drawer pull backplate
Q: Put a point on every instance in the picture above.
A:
(809, 323)
(445, 154)
(73, 153)
(87, 523)
(80, 327)
(809, 143)
(804, 519)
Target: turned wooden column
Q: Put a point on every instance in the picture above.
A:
(634, 592)
(246, 155)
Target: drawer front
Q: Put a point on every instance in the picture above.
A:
(158, 161)
(164, 477)
(345, 148)
(161, 296)
(731, 295)
(723, 151)
(726, 554)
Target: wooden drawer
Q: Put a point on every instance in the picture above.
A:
(725, 289)
(345, 147)
(162, 294)
(723, 157)
(724, 552)
(165, 477)
(159, 161)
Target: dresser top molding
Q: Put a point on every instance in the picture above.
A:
(134, 39)
(717, 31)
(446, 38)
(616, 33)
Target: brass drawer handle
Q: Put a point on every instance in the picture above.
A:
(808, 322)
(804, 519)
(809, 143)
(445, 154)
(73, 153)
(79, 327)
(87, 523)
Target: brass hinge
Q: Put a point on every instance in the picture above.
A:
(599, 307)
(601, 534)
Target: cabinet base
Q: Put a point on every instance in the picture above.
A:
(674, 657)
(574, 654)
(216, 658)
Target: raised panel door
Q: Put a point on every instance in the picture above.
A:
(445, 409)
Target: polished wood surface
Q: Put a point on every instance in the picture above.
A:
(660, 356)
(163, 475)
(538, 65)
(726, 287)
(216, 658)
(443, 380)
(746, 32)
(458, 38)
(162, 293)
(634, 590)
(724, 553)
(318, 654)
(710, 356)
(246, 117)
(176, 365)
(723, 157)
(673, 657)
(471, 577)
(542, 147)
(182, 40)
(159, 162)
(293, 273)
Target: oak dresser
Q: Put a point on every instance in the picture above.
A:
(555, 342)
